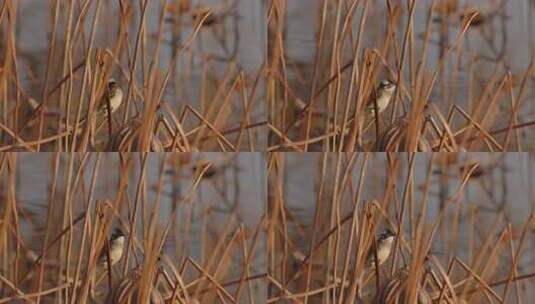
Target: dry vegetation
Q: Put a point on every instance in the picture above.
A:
(287, 227)
(178, 63)
(187, 237)
(454, 64)
(465, 233)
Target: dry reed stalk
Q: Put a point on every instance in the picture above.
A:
(319, 257)
(94, 41)
(73, 228)
(303, 103)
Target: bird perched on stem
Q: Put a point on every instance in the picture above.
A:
(380, 100)
(116, 248)
(383, 249)
(113, 96)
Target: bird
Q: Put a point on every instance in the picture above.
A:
(384, 248)
(115, 97)
(382, 97)
(384, 94)
(116, 249)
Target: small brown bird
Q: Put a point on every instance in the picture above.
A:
(116, 249)
(382, 97)
(384, 248)
(384, 94)
(115, 97)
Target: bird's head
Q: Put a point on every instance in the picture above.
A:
(388, 235)
(117, 233)
(387, 85)
(112, 84)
